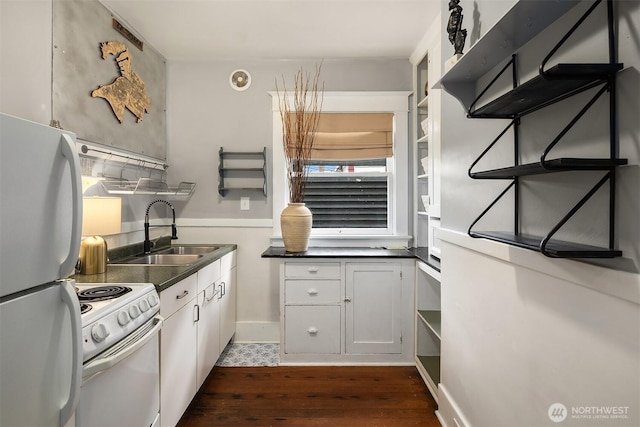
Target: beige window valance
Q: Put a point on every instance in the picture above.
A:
(353, 136)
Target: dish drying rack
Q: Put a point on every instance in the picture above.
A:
(148, 185)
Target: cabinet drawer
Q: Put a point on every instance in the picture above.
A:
(312, 329)
(208, 275)
(312, 292)
(312, 269)
(178, 295)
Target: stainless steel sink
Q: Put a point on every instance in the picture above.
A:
(164, 259)
(188, 250)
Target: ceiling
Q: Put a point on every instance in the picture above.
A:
(278, 29)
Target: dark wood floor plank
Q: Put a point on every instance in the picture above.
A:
(312, 396)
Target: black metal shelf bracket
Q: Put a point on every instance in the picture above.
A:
(560, 82)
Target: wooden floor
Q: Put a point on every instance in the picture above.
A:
(312, 396)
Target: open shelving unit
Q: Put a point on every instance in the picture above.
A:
(428, 325)
(552, 85)
(246, 165)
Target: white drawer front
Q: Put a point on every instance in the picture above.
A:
(312, 292)
(208, 275)
(312, 329)
(173, 298)
(312, 269)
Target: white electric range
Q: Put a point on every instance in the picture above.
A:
(121, 364)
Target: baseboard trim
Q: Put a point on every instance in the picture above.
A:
(449, 413)
(257, 332)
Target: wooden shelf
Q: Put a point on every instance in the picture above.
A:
(557, 83)
(431, 364)
(555, 248)
(504, 38)
(226, 172)
(549, 166)
(431, 318)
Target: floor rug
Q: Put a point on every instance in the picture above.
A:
(250, 354)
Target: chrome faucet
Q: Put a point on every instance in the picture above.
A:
(174, 231)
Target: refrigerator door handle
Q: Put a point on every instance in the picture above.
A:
(71, 301)
(69, 151)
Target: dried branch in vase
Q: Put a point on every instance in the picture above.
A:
(299, 126)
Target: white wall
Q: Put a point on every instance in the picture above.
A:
(204, 114)
(25, 59)
(521, 331)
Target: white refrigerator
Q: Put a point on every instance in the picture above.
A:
(40, 227)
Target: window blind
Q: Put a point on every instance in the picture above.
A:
(353, 136)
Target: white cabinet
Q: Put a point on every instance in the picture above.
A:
(227, 296)
(428, 320)
(346, 311)
(208, 349)
(373, 306)
(200, 317)
(178, 340)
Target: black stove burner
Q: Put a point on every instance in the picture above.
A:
(84, 308)
(103, 293)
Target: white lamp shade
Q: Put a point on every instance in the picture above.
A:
(101, 216)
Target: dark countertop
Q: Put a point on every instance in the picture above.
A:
(338, 252)
(162, 276)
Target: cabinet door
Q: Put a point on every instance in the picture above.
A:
(178, 339)
(227, 297)
(208, 332)
(373, 308)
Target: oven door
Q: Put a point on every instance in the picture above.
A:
(121, 386)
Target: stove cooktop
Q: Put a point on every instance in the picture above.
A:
(110, 312)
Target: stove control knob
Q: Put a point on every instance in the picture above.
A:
(134, 311)
(123, 318)
(144, 305)
(153, 300)
(99, 332)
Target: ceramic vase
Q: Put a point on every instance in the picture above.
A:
(295, 222)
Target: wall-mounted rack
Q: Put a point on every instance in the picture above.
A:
(148, 186)
(251, 164)
(110, 164)
(550, 86)
(140, 161)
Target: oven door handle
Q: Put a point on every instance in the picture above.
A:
(129, 345)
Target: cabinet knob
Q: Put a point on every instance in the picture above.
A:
(347, 299)
(312, 292)
(312, 331)
(313, 269)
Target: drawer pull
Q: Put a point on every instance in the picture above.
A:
(212, 295)
(184, 294)
(312, 292)
(313, 269)
(312, 331)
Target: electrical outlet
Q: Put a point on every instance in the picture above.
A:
(244, 203)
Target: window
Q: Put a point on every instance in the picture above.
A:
(360, 197)
(348, 194)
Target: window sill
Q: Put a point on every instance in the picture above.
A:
(371, 241)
